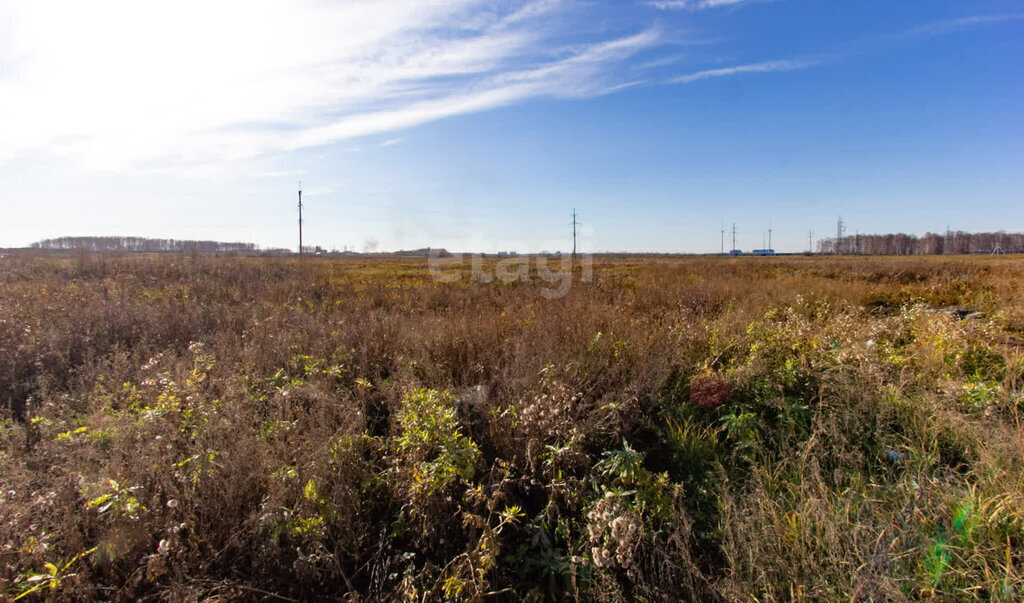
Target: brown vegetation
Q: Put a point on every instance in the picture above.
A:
(677, 429)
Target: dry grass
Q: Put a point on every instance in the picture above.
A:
(182, 427)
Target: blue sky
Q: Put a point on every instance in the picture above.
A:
(481, 125)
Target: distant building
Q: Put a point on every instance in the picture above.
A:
(763, 252)
(736, 252)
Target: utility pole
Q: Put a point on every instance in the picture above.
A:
(840, 229)
(723, 238)
(575, 223)
(769, 234)
(734, 236)
(810, 245)
(300, 218)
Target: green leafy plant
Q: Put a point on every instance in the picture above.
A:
(53, 577)
(430, 438)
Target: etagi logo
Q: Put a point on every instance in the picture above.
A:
(554, 269)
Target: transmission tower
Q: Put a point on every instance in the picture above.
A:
(575, 223)
(300, 218)
(840, 231)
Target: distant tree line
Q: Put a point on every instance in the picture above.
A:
(141, 244)
(930, 244)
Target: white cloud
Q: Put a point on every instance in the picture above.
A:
(390, 142)
(694, 4)
(576, 76)
(661, 62)
(114, 84)
(763, 67)
(934, 28)
(951, 25)
(280, 173)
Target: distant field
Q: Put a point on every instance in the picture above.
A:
(798, 428)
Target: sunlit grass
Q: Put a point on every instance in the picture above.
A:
(675, 428)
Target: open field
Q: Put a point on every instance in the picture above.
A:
(804, 428)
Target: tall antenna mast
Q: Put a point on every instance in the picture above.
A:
(575, 223)
(723, 238)
(769, 234)
(810, 245)
(300, 218)
(734, 236)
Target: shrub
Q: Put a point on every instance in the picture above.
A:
(185, 427)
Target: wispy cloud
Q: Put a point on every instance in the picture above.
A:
(280, 173)
(660, 62)
(113, 84)
(762, 67)
(952, 25)
(390, 142)
(863, 46)
(579, 75)
(697, 4)
(190, 85)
